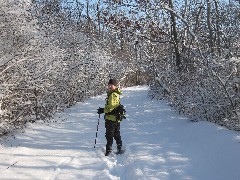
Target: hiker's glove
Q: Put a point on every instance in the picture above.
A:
(100, 110)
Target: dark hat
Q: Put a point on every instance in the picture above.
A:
(113, 81)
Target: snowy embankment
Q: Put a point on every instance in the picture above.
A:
(159, 144)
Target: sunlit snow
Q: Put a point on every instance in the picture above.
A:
(159, 143)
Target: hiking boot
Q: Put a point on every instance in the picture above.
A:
(119, 147)
(108, 152)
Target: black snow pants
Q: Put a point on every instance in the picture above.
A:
(112, 131)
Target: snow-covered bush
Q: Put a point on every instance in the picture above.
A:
(211, 93)
(47, 65)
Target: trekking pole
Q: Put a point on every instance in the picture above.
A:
(97, 132)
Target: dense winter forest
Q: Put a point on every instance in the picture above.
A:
(54, 53)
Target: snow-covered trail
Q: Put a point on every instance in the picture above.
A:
(159, 144)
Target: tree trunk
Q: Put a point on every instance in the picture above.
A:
(98, 16)
(175, 36)
(209, 24)
(88, 18)
(218, 28)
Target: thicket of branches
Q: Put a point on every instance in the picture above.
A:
(204, 80)
(48, 62)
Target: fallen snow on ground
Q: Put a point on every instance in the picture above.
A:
(159, 143)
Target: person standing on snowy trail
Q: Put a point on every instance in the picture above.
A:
(112, 123)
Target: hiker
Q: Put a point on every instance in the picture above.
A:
(112, 124)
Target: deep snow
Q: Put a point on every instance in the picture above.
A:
(159, 143)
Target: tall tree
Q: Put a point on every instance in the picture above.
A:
(175, 36)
